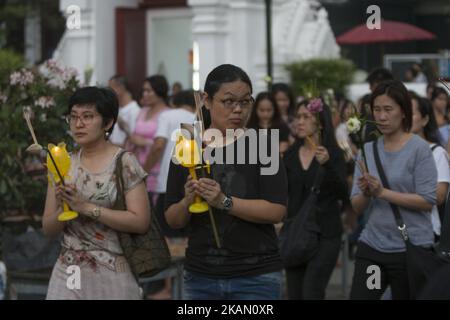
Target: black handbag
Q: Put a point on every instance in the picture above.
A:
(300, 235)
(421, 263)
(147, 254)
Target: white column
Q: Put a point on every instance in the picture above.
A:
(33, 39)
(76, 48)
(210, 32)
(234, 31)
(326, 40)
(247, 48)
(105, 37)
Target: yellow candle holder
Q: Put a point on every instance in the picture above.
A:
(187, 154)
(58, 164)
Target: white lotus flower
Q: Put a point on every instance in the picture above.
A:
(353, 125)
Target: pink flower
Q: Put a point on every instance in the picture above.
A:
(52, 66)
(3, 98)
(23, 77)
(315, 105)
(50, 63)
(58, 76)
(69, 73)
(27, 77)
(14, 78)
(57, 83)
(45, 102)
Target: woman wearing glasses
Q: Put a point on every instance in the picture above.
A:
(245, 203)
(90, 242)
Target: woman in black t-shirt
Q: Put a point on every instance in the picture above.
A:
(245, 204)
(316, 146)
(265, 115)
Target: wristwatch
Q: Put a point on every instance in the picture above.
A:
(96, 212)
(227, 203)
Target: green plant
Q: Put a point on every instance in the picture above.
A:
(44, 92)
(9, 61)
(326, 74)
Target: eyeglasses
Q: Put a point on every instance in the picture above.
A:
(231, 104)
(86, 118)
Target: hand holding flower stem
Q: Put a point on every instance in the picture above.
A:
(355, 125)
(315, 107)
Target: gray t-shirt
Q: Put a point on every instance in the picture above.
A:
(409, 170)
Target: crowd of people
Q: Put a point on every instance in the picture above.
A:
(410, 132)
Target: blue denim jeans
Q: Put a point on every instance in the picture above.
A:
(262, 287)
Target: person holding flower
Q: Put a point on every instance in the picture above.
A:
(411, 172)
(316, 146)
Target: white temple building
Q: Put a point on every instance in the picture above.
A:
(185, 39)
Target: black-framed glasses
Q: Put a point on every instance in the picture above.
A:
(231, 104)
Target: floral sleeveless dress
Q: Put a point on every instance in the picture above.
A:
(92, 247)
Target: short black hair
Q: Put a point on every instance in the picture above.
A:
(182, 98)
(225, 73)
(104, 99)
(397, 91)
(159, 85)
(379, 75)
(122, 80)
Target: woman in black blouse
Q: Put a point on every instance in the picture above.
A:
(316, 146)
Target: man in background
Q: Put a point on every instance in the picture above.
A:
(128, 110)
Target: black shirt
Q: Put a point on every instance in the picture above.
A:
(283, 131)
(247, 248)
(333, 188)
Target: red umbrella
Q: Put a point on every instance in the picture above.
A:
(391, 31)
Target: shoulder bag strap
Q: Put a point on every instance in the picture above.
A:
(120, 203)
(398, 218)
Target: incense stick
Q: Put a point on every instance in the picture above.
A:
(213, 223)
(311, 142)
(343, 144)
(56, 167)
(30, 127)
(198, 108)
